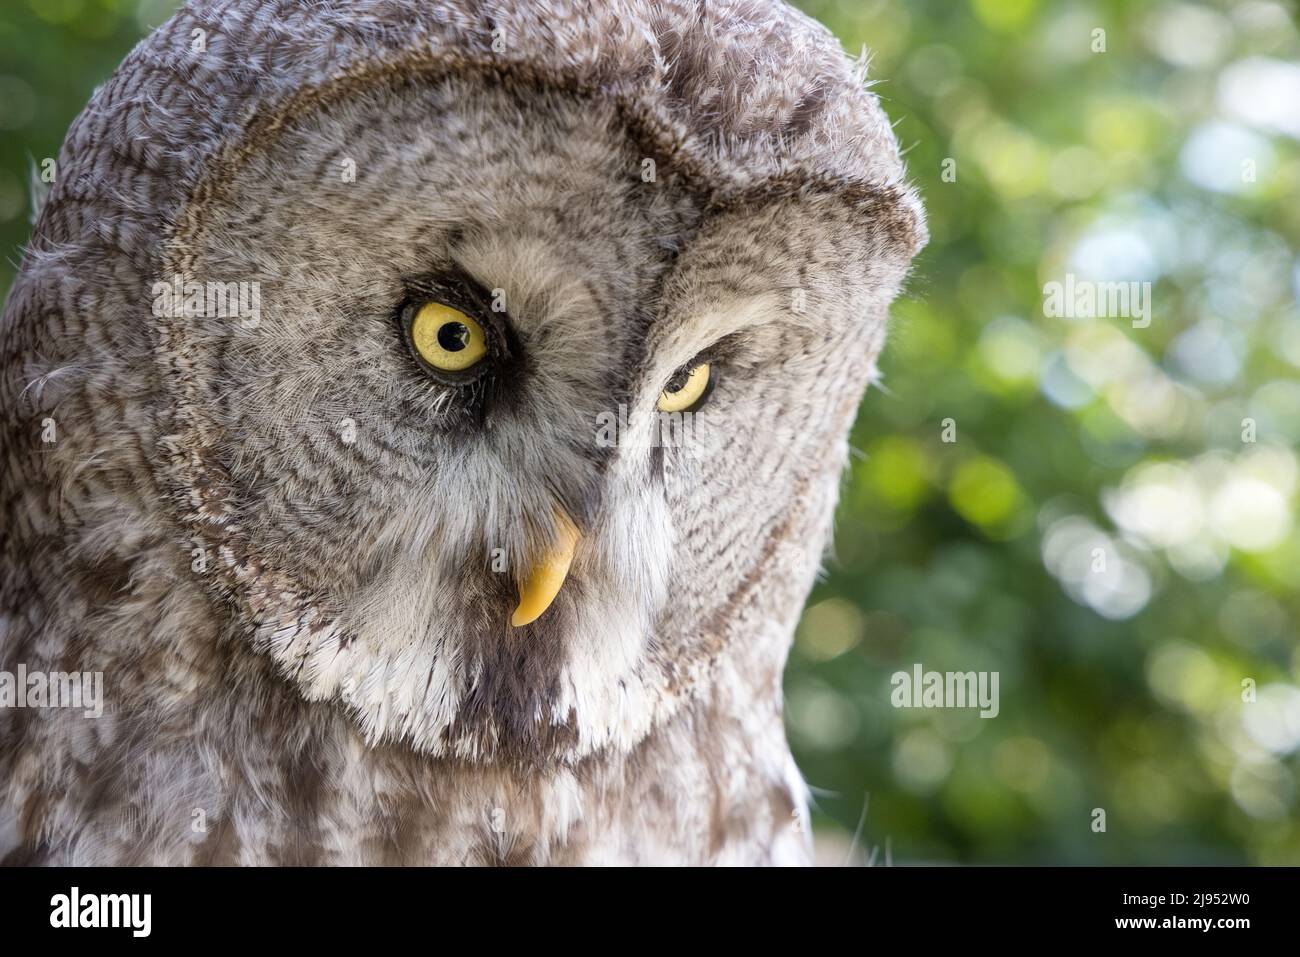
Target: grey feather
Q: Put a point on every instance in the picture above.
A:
(302, 627)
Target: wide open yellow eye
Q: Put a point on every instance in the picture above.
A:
(685, 393)
(446, 338)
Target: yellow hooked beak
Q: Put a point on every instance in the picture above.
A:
(542, 584)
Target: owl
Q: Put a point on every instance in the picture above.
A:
(423, 421)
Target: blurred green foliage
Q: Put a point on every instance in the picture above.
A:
(1120, 686)
(1112, 528)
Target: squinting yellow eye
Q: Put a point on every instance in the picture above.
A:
(446, 338)
(689, 392)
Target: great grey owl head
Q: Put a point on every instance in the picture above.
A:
(489, 364)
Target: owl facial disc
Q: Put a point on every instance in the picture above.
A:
(545, 578)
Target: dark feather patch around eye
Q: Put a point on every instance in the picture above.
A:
(473, 387)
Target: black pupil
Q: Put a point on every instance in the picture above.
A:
(453, 336)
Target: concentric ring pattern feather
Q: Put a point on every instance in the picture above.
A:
(300, 554)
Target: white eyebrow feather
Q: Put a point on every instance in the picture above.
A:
(715, 323)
